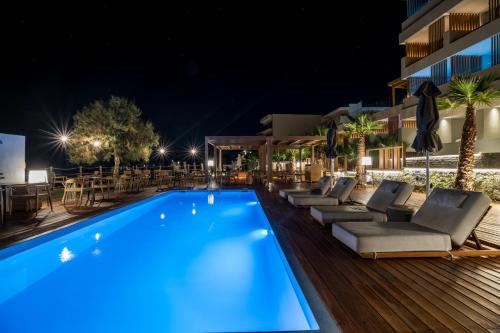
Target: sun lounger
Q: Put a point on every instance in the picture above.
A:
(439, 228)
(388, 193)
(322, 186)
(339, 194)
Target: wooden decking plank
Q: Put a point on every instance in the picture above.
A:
(463, 322)
(444, 283)
(351, 299)
(492, 286)
(460, 282)
(416, 316)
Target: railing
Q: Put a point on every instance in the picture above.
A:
(412, 6)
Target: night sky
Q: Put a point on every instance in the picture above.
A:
(193, 70)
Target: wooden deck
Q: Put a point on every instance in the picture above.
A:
(363, 295)
(22, 226)
(391, 295)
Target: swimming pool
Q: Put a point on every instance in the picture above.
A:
(194, 261)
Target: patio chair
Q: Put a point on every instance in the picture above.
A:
(31, 194)
(339, 194)
(387, 194)
(73, 188)
(444, 222)
(323, 185)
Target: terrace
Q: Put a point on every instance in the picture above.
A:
(433, 294)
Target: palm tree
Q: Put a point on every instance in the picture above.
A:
(359, 129)
(469, 92)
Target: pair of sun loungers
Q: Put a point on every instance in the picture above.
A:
(442, 225)
(321, 195)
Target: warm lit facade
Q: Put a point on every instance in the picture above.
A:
(443, 39)
(288, 124)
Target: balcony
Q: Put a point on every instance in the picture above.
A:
(463, 36)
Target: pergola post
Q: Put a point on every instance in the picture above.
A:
(216, 160)
(206, 154)
(312, 155)
(300, 162)
(220, 160)
(269, 159)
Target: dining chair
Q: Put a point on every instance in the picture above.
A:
(73, 187)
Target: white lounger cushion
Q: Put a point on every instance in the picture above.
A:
(453, 212)
(339, 193)
(333, 214)
(285, 193)
(368, 237)
(388, 193)
(312, 200)
(323, 184)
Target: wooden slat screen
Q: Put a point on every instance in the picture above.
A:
(415, 82)
(415, 52)
(461, 64)
(436, 31)
(439, 72)
(495, 49)
(494, 9)
(409, 124)
(412, 6)
(463, 23)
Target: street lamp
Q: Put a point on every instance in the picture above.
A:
(162, 151)
(64, 138)
(194, 151)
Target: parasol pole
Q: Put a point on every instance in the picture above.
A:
(331, 172)
(427, 181)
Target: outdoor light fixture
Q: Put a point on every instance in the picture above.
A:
(37, 176)
(210, 163)
(64, 139)
(367, 160)
(96, 143)
(194, 151)
(162, 151)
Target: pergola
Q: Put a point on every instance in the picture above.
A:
(265, 145)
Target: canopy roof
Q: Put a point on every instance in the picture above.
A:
(254, 142)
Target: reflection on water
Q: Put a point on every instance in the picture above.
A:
(193, 211)
(97, 236)
(259, 234)
(97, 251)
(66, 255)
(211, 199)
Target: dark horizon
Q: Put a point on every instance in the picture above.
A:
(193, 70)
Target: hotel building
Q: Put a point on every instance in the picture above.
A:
(443, 39)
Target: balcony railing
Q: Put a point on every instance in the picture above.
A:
(412, 6)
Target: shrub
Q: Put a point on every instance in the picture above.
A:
(488, 183)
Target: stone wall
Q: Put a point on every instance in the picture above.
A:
(486, 160)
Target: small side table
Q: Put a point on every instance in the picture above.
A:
(400, 213)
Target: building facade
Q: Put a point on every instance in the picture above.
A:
(280, 125)
(444, 39)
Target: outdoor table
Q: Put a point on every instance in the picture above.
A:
(4, 196)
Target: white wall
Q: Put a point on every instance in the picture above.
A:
(492, 123)
(12, 158)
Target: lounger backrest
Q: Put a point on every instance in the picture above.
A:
(388, 193)
(324, 185)
(453, 212)
(343, 188)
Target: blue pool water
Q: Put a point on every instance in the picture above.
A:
(179, 262)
